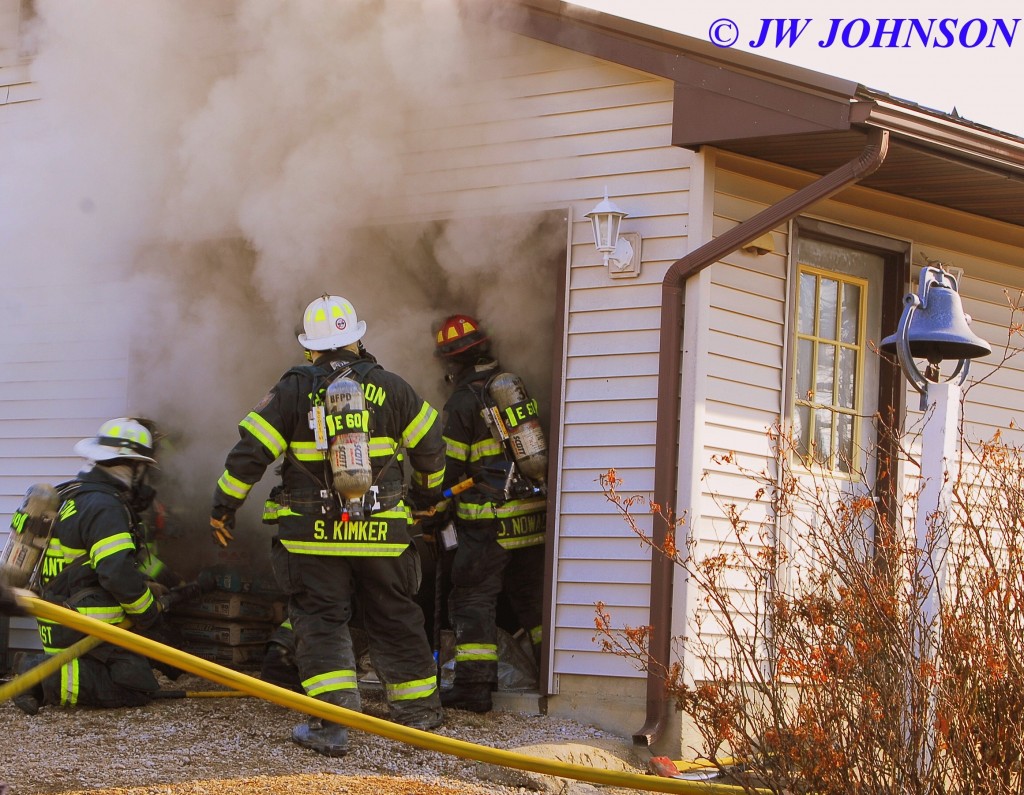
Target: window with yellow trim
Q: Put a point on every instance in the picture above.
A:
(829, 366)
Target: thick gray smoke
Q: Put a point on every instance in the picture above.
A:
(220, 164)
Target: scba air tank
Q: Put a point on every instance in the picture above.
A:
(30, 533)
(348, 450)
(519, 414)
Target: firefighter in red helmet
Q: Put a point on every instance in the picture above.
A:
(500, 531)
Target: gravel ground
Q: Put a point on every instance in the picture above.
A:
(230, 746)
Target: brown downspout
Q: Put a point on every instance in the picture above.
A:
(669, 371)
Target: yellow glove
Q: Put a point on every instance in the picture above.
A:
(221, 524)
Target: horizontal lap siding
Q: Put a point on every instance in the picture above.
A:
(54, 390)
(747, 325)
(558, 131)
(535, 127)
(744, 365)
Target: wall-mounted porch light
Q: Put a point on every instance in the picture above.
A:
(621, 253)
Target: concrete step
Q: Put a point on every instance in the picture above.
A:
(524, 703)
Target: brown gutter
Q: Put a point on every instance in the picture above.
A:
(666, 452)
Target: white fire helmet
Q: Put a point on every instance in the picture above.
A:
(330, 322)
(118, 438)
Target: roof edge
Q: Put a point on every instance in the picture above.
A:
(635, 44)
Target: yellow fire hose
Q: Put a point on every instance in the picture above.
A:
(40, 608)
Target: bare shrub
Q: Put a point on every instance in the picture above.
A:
(810, 663)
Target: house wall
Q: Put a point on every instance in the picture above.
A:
(746, 339)
(56, 386)
(556, 129)
(535, 128)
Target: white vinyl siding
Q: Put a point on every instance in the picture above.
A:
(546, 128)
(15, 83)
(746, 354)
(60, 377)
(749, 311)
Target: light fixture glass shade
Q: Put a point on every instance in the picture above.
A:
(606, 217)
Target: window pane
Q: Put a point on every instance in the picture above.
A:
(844, 443)
(802, 430)
(804, 367)
(828, 353)
(851, 313)
(823, 436)
(826, 374)
(827, 309)
(808, 304)
(847, 377)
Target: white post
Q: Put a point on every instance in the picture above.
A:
(938, 450)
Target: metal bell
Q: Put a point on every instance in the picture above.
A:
(939, 329)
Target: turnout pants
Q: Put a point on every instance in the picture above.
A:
(483, 569)
(107, 676)
(321, 590)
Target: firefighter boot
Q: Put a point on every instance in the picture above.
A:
(31, 699)
(324, 737)
(424, 720)
(279, 667)
(471, 696)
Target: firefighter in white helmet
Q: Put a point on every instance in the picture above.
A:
(101, 540)
(334, 548)
(500, 535)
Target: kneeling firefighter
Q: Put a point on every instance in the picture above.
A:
(490, 424)
(342, 423)
(100, 538)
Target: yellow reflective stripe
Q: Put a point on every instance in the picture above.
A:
(521, 541)
(330, 682)
(266, 433)
(421, 423)
(344, 550)
(400, 511)
(382, 446)
(457, 450)
(306, 451)
(108, 614)
(271, 511)
(428, 480)
(417, 688)
(477, 511)
(233, 487)
(486, 448)
(153, 566)
(69, 680)
(71, 554)
(142, 604)
(111, 545)
(476, 652)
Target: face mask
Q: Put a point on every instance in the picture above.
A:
(142, 497)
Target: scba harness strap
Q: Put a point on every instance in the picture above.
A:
(322, 499)
(57, 589)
